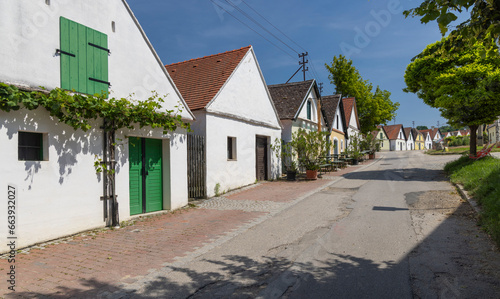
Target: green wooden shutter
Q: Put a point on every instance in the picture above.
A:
(89, 61)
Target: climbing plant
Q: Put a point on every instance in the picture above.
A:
(77, 110)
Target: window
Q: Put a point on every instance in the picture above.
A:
(309, 110)
(231, 148)
(381, 136)
(84, 58)
(30, 146)
(338, 124)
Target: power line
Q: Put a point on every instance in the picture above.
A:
(260, 25)
(273, 25)
(252, 29)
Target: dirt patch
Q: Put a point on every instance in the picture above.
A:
(454, 258)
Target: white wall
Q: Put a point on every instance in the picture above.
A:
(352, 129)
(30, 31)
(61, 195)
(245, 95)
(242, 171)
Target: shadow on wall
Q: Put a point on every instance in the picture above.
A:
(68, 143)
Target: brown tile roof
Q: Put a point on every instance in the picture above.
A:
(432, 132)
(392, 131)
(349, 104)
(415, 133)
(329, 105)
(200, 79)
(408, 132)
(288, 97)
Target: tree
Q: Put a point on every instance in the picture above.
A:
(463, 85)
(422, 128)
(374, 108)
(483, 23)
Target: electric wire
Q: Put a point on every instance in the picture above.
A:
(272, 25)
(313, 73)
(260, 25)
(252, 29)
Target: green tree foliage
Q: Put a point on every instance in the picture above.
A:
(483, 23)
(374, 108)
(463, 85)
(422, 128)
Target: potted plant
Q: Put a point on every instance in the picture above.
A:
(354, 149)
(311, 147)
(372, 145)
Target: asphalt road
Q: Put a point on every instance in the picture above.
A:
(379, 232)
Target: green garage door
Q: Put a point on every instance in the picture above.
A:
(145, 172)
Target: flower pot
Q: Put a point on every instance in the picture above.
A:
(311, 174)
(290, 175)
(355, 162)
(371, 156)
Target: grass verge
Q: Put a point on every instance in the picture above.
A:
(482, 179)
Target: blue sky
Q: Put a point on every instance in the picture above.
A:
(374, 34)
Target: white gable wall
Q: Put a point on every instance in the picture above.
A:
(32, 31)
(61, 195)
(353, 128)
(245, 95)
(410, 143)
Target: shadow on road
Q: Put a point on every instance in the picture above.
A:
(455, 260)
(408, 174)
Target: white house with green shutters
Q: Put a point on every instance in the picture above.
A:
(87, 46)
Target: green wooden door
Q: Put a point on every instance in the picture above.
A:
(145, 175)
(154, 182)
(135, 175)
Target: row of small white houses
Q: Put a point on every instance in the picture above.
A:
(398, 138)
(62, 44)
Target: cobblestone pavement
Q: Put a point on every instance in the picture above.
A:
(100, 263)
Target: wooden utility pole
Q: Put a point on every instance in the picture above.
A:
(303, 63)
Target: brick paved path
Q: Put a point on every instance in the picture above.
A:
(100, 263)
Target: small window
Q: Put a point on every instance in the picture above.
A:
(309, 110)
(381, 136)
(231, 148)
(30, 146)
(338, 124)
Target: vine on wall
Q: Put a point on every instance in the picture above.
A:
(76, 110)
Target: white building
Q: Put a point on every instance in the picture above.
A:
(352, 120)
(297, 106)
(333, 110)
(427, 138)
(85, 46)
(234, 112)
(397, 137)
(410, 142)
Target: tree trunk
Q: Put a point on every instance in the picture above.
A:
(473, 139)
(497, 131)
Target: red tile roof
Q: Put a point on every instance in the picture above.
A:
(432, 132)
(200, 79)
(349, 104)
(407, 133)
(392, 131)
